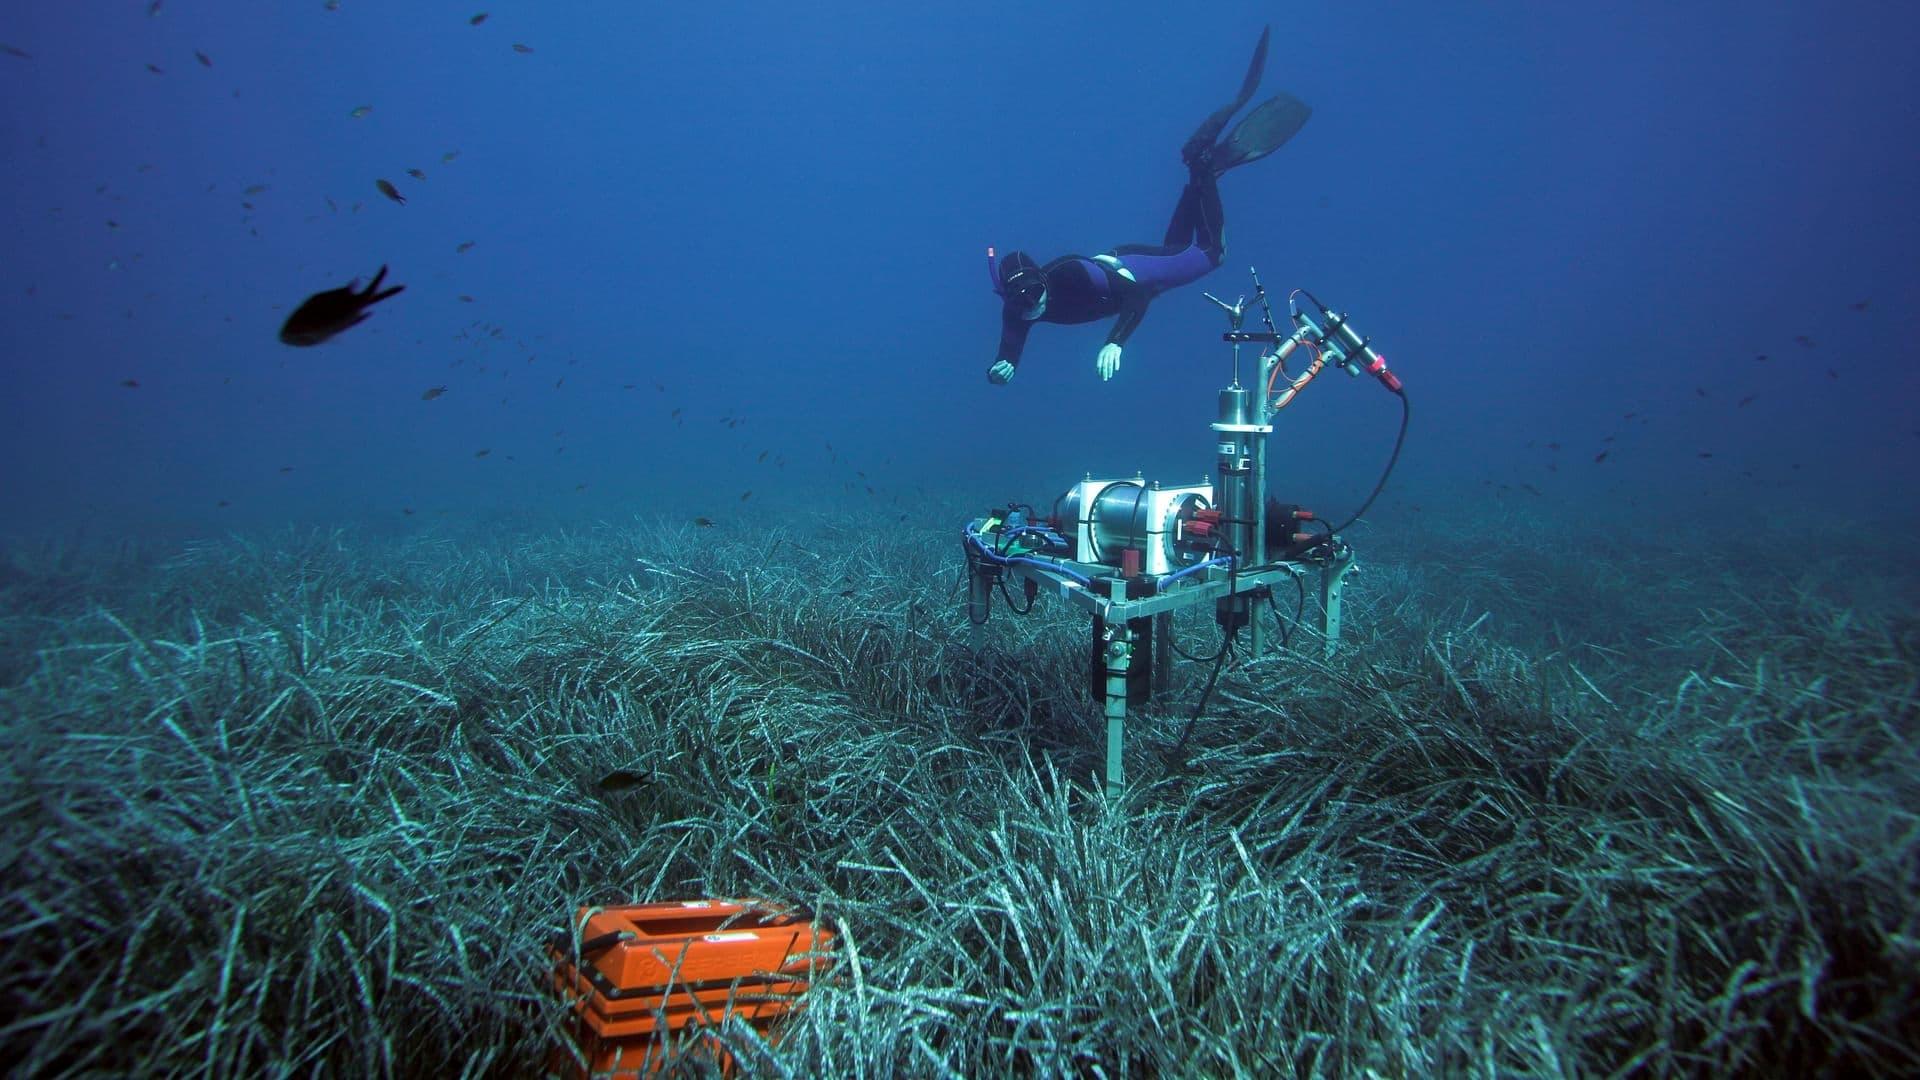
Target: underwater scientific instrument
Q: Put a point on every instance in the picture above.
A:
(634, 976)
(1131, 552)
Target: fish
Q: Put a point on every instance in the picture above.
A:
(626, 386)
(153, 9)
(1746, 401)
(331, 208)
(325, 314)
(483, 452)
(131, 384)
(703, 522)
(223, 502)
(386, 188)
(477, 19)
(1704, 454)
(1859, 305)
(254, 189)
(286, 468)
(407, 510)
(1700, 390)
(464, 248)
(623, 781)
(1803, 341)
(558, 381)
(416, 174)
(522, 49)
(747, 494)
(1601, 456)
(579, 487)
(202, 57)
(332, 5)
(155, 68)
(763, 455)
(465, 299)
(449, 156)
(1832, 374)
(432, 392)
(1760, 356)
(1629, 416)
(17, 52)
(674, 413)
(360, 111)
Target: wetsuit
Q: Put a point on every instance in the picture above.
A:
(1080, 289)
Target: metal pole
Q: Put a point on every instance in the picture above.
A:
(1119, 659)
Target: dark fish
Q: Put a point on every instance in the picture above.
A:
(286, 468)
(558, 381)
(202, 57)
(332, 5)
(254, 189)
(1704, 454)
(465, 299)
(131, 384)
(327, 313)
(433, 392)
(1630, 416)
(1607, 439)
(24, 55)
(482, 453)
(623, 781)
(627, 386)
(154, 8)
(223, 502)
(464, 248)
(1803, 340)
(846, 592)
(407, 510)
(763, 455)
(331, 208)
(477, 19)
(675, 413)
(1553, 446)
(579, 487)
(1860, 305)
(1832, 374)
(1746, 401)
(747, 494)
(449, 156)
(155, 69)
(1760, 356)
(391, 192)
(1700, 390)
(416, 174)
(360, 111)
(522, 49)
(703, 522)
(1601, 456)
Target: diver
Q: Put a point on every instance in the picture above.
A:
(1123, 281)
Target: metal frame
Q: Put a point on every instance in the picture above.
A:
(1120, 638)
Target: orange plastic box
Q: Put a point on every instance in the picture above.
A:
(643, 971)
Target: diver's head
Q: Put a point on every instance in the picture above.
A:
(1022, 285)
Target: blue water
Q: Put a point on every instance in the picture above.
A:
(1547, 216)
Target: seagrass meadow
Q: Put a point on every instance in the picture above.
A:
(312, 802)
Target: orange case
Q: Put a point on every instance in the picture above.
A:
(646, 970)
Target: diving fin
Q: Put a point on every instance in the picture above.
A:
(1210, 128)
(1264, 130)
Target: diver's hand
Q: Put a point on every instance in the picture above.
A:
(1001, 373)
(1109, 361)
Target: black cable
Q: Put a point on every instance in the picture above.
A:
(1015, 608)
(1286, 632)
(1226, 646)
(1406, 412)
